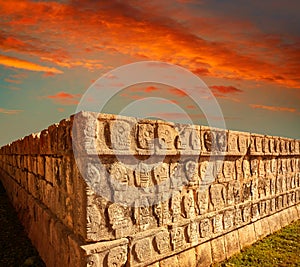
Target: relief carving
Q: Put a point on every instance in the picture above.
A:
(176, 207)
(195, 139)
(193, 233)
(228, 219)
(233, 193)
(189, 204)
(243, 144)
(254, 212)
(161, 176)
(232, 143)
(222, 141)
(176, 175)
(247, 213)
(228, 170)
(191, 171)
(218, 223)
(217, 196)
(177, 236)
(142, 216)
(120, 176)
(182, 140)
(146, 136)
(162, 242)
(239, 169)
(120, 135)
(261, 169)
(247, 191)
(143, 175)
(205, 228)
(209, 140)
(258, 144)
(161, 211)
(246, 169)
(118, 219)
(238, 217)
(143, 250)
(254, 167)
(202, 201)
(261, 188)
(93, 260)
(117, 257)
(166, 136)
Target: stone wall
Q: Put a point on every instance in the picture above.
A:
(210, 193)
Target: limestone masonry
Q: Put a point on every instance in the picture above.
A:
(219, 191)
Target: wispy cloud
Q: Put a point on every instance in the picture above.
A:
(273, 108)
(64, 98)
(17, 63)
(10, 111)
(225, 89)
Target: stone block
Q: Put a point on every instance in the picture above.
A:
(218, 252)
(187, 258)
(232, 245)
(247, 235)
(203, 254)
(171, 261)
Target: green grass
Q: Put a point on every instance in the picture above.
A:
(279, 249)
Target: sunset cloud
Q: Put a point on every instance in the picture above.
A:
(64, 98)
(273, 108)
(225, 89)
(10, 111)
(13, 62)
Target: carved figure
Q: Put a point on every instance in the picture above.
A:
(202, 201)
(161, 211)
(162, 242)
(233, 192)
(228, 219)
(93, 261)
(143, 175)
(205, 228)
(161, 176)
(166, 136)
(246, 169)
(118, 218)
(182, 140)
(195, 139)
(117, 257)
(243, 146)
(177, 235)
(189, 204)
(143, 250)
(218, 223)
(142, 216)
(146, 136)
(120, 176)
(232, 143)
(176, 207)
(193, 233)
(208, 140)
(191, 170)
(217, 196)
(221, 141)
(120, 135)
(176, 175)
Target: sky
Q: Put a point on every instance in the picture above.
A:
(247, 52)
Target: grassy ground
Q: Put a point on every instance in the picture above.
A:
(279, 249)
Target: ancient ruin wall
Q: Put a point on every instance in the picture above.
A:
(237, 188)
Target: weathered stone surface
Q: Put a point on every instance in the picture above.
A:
(241, 188)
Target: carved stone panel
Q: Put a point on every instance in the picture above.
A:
(162, 242)
(119, 219)
(176, 175)
(176, 207)
(162, 213)
(142, 216)
(189, 204)
(191, 171)
(254, 167)
(218, 223)
(233, 143)
(233, 193)
(143, 250)
(229, 170)
(93, 260)
(238, 216)
(177, 238)
(120, 135)
(161, 176)
(205, 228)
(255, 212)
(143, 176)
(246, 191)
(243, 143)
(117, 257)
(193, 233)
(195, 138)
(228, 219)
(145, 136)
(221, 141)
(202, 197)
(183, 138)
(119, 175)
(217, 196)
(166, 134)
(247, 213)
(246, 169)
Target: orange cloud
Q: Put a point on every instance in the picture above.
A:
(13, 62)
(273, 108)
(178, 39)
(64, 98)
(150, 89)
(225, 89)
(10, 111)
(177, 92)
